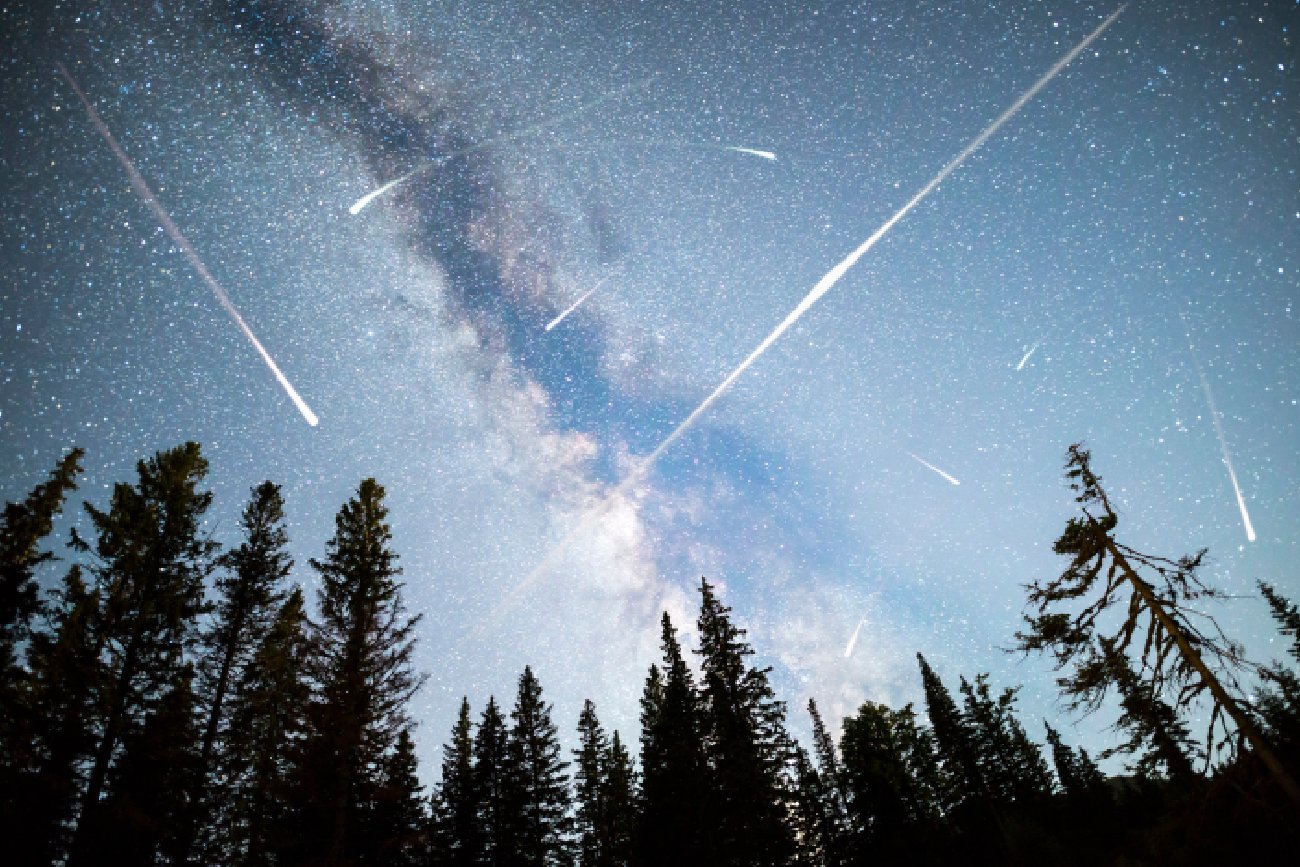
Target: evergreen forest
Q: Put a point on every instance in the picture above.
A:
(168, 701)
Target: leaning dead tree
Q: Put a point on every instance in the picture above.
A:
(1113, 599)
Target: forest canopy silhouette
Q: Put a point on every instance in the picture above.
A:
(170, 701)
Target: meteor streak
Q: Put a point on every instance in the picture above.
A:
(618, 267)
(833, 276)
(853, 640)
(435, 162)
(147, 196)
(369, 197)
(641, 469)
(1223, 444)
(1023, 361)
(574, 306)
(923, 462)
(767, 155)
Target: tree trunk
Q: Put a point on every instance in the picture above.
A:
(1244, 724)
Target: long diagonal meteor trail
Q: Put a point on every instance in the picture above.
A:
(1223, 441)
(147, 195)
(823, 286)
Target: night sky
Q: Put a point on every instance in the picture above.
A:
(1138, 218)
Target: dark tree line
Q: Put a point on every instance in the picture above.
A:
(173, 703)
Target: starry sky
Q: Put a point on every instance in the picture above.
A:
(1132, 230)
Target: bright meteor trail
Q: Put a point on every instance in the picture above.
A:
(1223, 443)
(823, 286)
(146, 194)
(923, 462)
(1027, 355)
(833, 276)
(767, 155)
(853, 640)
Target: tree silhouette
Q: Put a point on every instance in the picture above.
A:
(745, 744)
(360, 667)
(1157, 622)
(150, 564)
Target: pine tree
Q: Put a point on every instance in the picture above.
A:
(23, 526)
(457, 803)
(1010, 763)
(955, 741)
(147, 817)
(1279, 703)
(538, 782)
(361, 670)
(670, 828)
(604, 807)
(268, 723)
(150, 565)
(492, 788)
(746, 746)
(1080, 777)
(1171, 649)
(250, 594)
(589, 790)
(396, 826)
(620, 804)
(834, 807)
(66, 678)
(808, 814)
(892, 776)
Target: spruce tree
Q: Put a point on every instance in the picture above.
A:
(1279, 703)
(150, 563)
(746, 747)
(892, 777)
(603, 799)
(954, 739)
(249, 596)
(538, 782)
(670, 827)
(1079, 776)
(808, 814)
(268, 725)
(492, 788)
(589, 790)
(66, 679)
(148, 815)
(23, 527)
(397, 824)
(360, 667)
(1011, 764)
(458, 831)
(620, 811)
(834, 806)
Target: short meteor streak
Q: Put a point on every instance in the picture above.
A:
(1025, 360)
(853, 640)
(146, 194)
(767, 155)
(435, 162)
(923, 462)
(823, 286)
(576, 304)
(1223, 445)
